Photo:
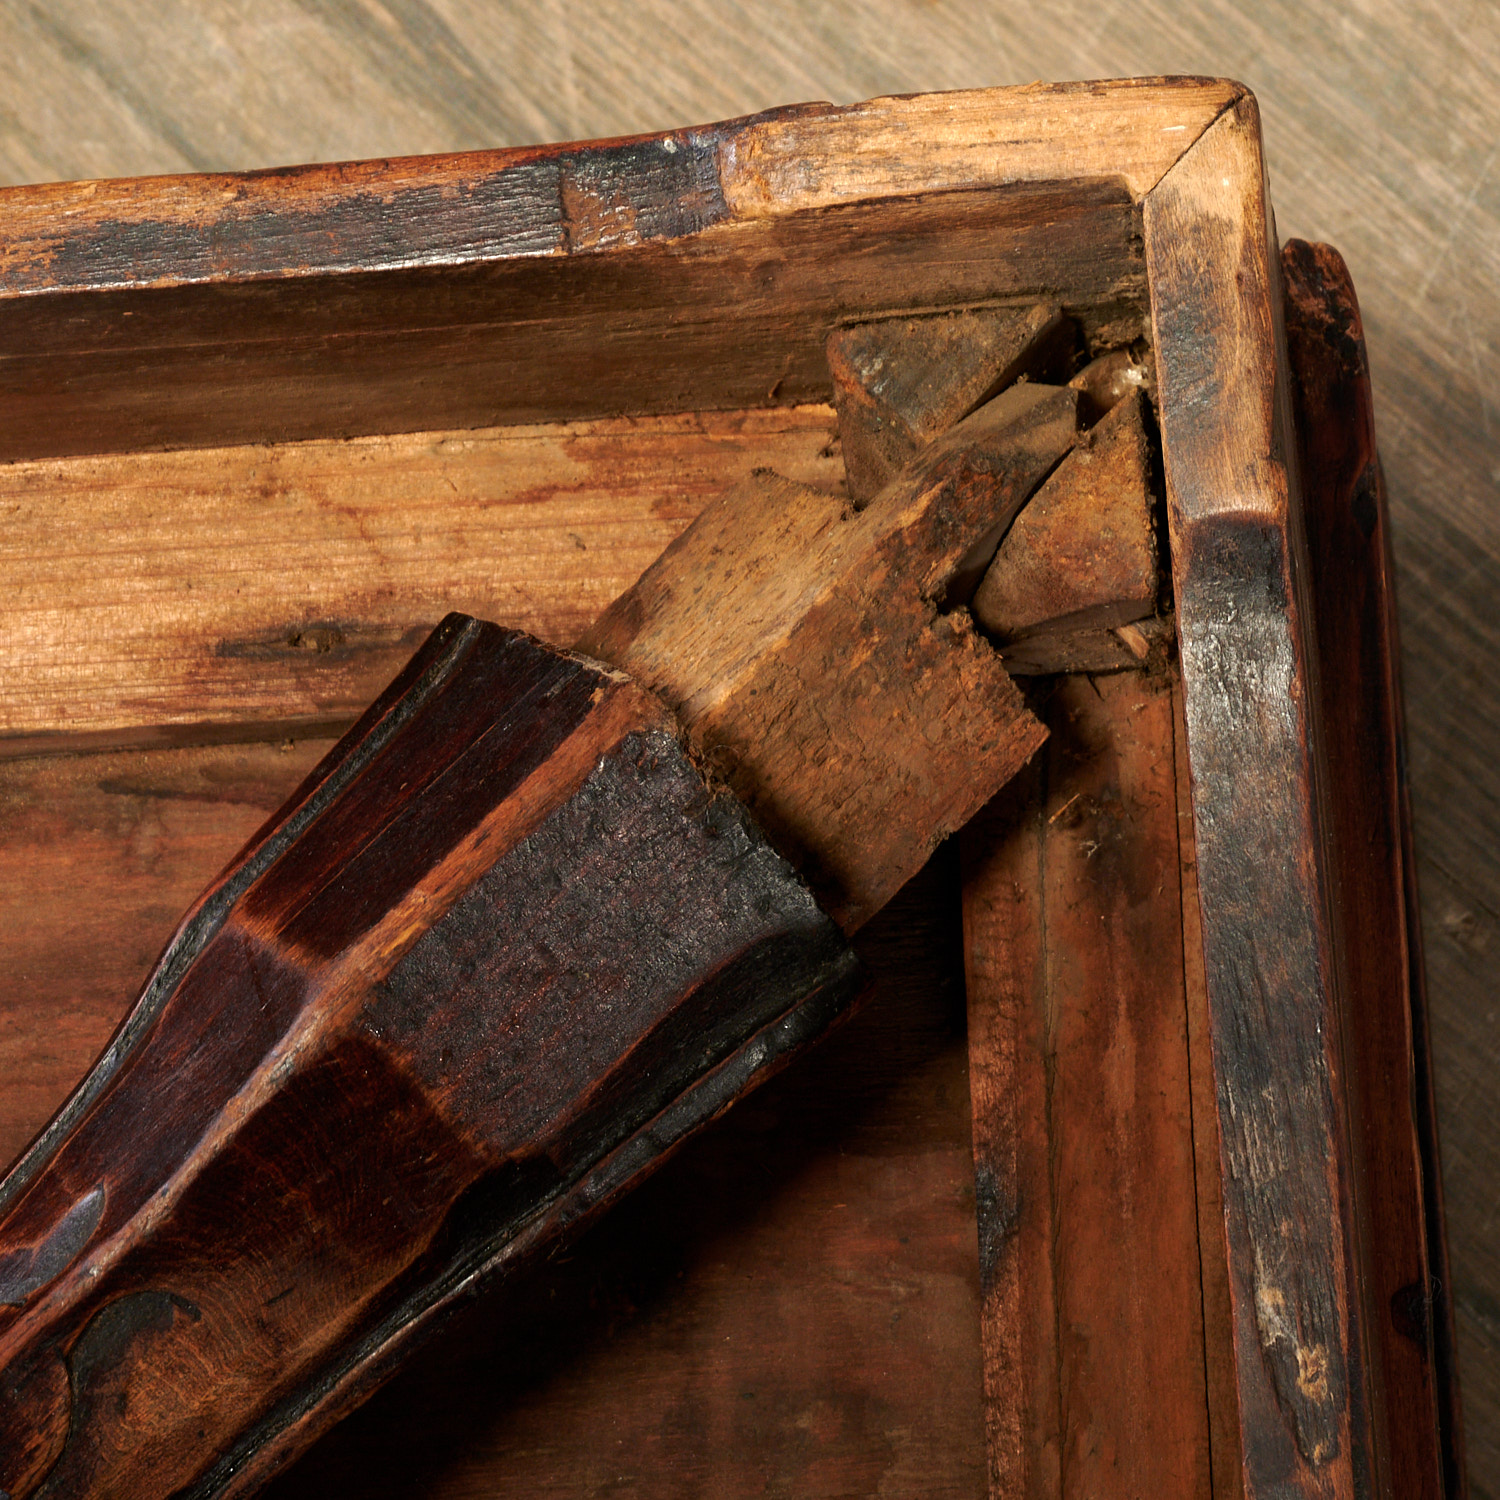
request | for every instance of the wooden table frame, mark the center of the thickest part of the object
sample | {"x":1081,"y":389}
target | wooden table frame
{"x":227,"y":311}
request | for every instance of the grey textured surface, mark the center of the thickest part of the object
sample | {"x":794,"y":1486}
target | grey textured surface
{"x":1383,"y":126}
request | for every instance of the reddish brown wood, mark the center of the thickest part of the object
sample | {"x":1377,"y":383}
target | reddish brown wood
{"x":1005,"y":968}
{"x":790,"y":1306}
{"x":404,"y":1042}
{"x":1082,"y":553}
{"x":698,"y":268}
{"x":1399,"y":1194}
{"x":804,"y":649}
{"x":501,"y":952}
{"x":704,"y":310}
{"x":1079,"y":1060}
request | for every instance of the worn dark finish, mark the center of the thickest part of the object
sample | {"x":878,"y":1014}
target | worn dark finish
{"x":1311,"y":1420}
{"x":791,"y":1300}
{"x":711,"y":264}
{"x":726,"y":316}
{"x":426,"y":940}
{"x":1400,"y":1190}
{"x":1080,"y":558}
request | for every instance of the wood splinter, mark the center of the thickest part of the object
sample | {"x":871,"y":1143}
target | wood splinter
{"x":805,"y":652}
{"x":1073,"y":587}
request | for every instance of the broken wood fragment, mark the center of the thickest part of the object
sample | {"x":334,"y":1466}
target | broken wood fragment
{"x":901,"y":382}
{"x":1079,"y":561}
{"x":805,"y":652}
{"x":1089,"y":1225}
{"x":1144,"y":644}
{"x":497,"y":956}
{"x":1108,"y":379}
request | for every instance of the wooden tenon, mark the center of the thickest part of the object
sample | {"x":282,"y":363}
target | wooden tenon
{"x":506,"y":947}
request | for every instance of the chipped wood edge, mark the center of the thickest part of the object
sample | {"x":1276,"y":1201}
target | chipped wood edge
{"x":1308,"y":1411}
{"x":194,"y":228}
{"x":1134,"y":128}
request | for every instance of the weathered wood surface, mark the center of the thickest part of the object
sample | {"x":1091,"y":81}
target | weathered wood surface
{"x":725,"y":319}
{"x":1084,"y":1114}
{"x":1312,"y":1423}
{"x":802,"y":646}
{"x":898,"y":383}
{"x":1081,"y":555}
{"x":841,"y":1195}
{"x":147,"y":595}
{"x":1381,"y":124}
{"x":1399,"y":1189}
{"x":701,"y":269}
{"x":1424,"y":284}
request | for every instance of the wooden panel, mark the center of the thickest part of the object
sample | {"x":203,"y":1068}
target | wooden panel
{"x":1010,"y":1024}
{"x":1219,"y":1368}
{"x":839,"y":1200}
{"x":1083,"y":1126}
{"x":1381,"y":123}
{"x":235,"y":590}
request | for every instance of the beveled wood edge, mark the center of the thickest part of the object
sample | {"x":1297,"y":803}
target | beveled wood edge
{"x":779,"y":162}
{"x":1310,"y":1412}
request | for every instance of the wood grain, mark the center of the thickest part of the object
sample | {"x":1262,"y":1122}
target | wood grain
{"x":201,"y":592}
{"x":841,"y":1187}
{"x":804,"y":648}
{"x":1400,"y":1198}
{"x":1082,"y":554}
{"x":343,"y":1085}
{"x":1311,"y":1420}
{"x":901,"y":382}
{"x":402,"y":296}
{"x":1381,"y":122}
{"x":1084,"y":1119}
